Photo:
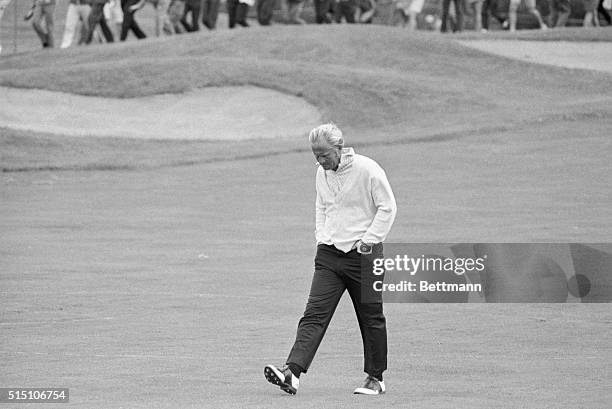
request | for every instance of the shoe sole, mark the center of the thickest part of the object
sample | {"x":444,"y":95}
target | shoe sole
{"x":272,"y":377}
{"x":363,"y":391}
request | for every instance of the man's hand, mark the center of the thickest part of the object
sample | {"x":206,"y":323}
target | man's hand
{"x":363,"y":247}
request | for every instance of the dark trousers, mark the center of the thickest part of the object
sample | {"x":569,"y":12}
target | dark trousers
{"x":336,"y":271}
{"x":265,"y":9}
{"x":559,"y":12}
{"x":345,"y":9}
{"x":191,"y":7}
{"x":129,"y":22}
{"x":601,"y":9}
{"x":210,"y":12}
{"x":490,"y":5}
{"x":96,"y":16}
{"x":237,"y":13}
{"x":321,"y":9}
{"x":458,"y":14}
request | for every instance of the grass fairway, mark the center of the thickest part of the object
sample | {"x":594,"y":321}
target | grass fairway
{"x":165,"y":274}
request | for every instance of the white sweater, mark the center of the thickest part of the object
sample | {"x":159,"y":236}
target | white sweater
{"x":353,"y":203}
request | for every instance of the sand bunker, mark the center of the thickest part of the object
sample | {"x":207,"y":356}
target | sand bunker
{"x":227,"y":113}
{"x":586,"y":55}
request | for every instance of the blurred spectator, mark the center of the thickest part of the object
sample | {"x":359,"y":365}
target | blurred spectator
{"x":192,"y":7}
{"x":175,"y":14}
{"x":531,"y":7}
{"x":162,"y":19}
{"x":114,"y":15}
{"x":78,"y":10}
{"x":294,"y":11}
{"x":237,"y":12}
{"x":590,"y":17}
{"x":458,"y":20}
{"x":491,"y":5}
{"x":605,"y":11}
{"x":322,"y":8}
{"x":406,"y":12}
{"x":346,"y":9}
{"x":130,"y":7}
{"x":43,"y":10}
{"x":210,"y":12}
{"x":365,"y":11}
{"x":3,"y":5}
{"x":96,"y":16}
{"x":559,"y":12}
{"x":475,"y":6}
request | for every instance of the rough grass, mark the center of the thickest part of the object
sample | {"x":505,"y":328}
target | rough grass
{"x":376,"y":82}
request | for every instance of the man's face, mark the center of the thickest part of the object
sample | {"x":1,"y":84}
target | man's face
{"x":328,"y":156}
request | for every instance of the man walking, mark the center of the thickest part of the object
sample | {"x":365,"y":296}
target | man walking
{"x":355,"y":209}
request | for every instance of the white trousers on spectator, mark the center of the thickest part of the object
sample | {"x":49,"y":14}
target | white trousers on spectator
{"x":75,"y":13}
{"x":113,"y":12}
{"x":162,"y":19}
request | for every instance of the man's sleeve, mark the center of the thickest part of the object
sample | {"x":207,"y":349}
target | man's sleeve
{"x":384,"y":200}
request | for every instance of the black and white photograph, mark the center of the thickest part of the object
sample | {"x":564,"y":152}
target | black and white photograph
{"x":332,"y":204}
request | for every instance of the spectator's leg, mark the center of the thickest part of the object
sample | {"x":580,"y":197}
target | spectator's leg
{"x":495,"y":13}
{"x":512,"y":13}
{"x":195,"y":16}
{"x":445,"y":7}
{"x":484,"y":14}
{"x":412,"y":23}
{"x":319,"y":11}
{"x":531,"y":6}
{"x":125,"y":24}
{"x":184,"y":22}
{"x":414,"y":10}
{"x":106,"y":31}
{"x":326,"y":6}
{"x":136,"y":28}
{"x":231,"y":12}
{"x":478,"y":15}
{"x":84,"y":11}
{"x":36,"y":20}
{"x":337,"y":12}
{"x":72,"y":18}
{"x":166,"y":26}
{"x":241,"y":14}
{"x":92,"y":21}
{"x":458,"y":16}
{"x":177,"y":9}
{"x":397,"y":17}
{"x":213,"y":13}
{"x":601,"y":9}
{"x":263,"y":17}
{"x":348,"y":11}
{"x":49,"y":10}
{"x":563,"y":11}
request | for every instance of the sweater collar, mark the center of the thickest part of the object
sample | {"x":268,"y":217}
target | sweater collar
{"x":348,"y":154}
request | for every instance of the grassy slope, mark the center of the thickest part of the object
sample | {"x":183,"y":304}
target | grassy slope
{"x":377,"y":82}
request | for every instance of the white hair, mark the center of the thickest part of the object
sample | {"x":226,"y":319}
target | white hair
{"x":330,"y":132}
